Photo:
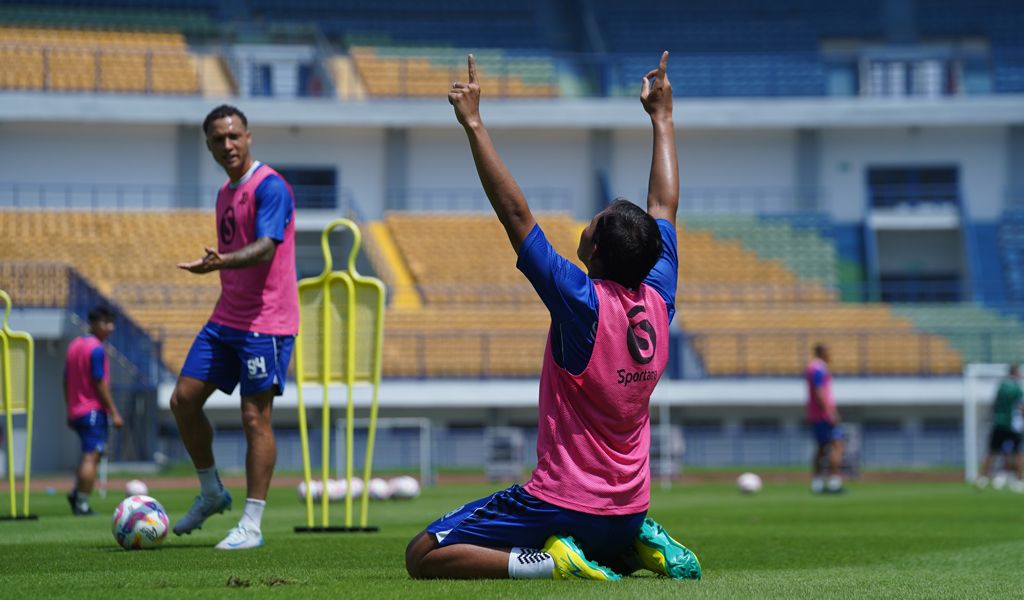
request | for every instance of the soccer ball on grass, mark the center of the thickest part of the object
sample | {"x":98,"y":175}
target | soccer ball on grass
{"x":749,"y":483}
{"x":140,"y":522}
{"x":135,"y":487}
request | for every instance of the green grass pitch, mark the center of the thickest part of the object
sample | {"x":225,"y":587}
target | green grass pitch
{"x":907,"y":540}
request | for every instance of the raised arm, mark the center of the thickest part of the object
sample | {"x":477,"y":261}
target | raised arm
{"x":501,"y":188}
{"x":663,"y":186}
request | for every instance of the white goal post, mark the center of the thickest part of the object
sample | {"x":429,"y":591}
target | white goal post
{"x":981,"y":380}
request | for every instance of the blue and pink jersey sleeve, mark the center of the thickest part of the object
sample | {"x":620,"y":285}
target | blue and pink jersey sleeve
{"x":570,"y":297}
{"x":273,"y":208}
{"x":97,"y":363}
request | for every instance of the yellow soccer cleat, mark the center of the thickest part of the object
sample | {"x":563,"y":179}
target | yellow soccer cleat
{"x":660,"y":553}
{"x":570,"y":563}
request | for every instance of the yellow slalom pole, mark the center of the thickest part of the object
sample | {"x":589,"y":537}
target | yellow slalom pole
{"x":303,"y":429}
{"x":350,"y":382}
{"x":325,"y":381}
{"x":8,"y":410}
{"x":5,"y":351}
{"x":372,"y":432}
{"x":30,"y":384}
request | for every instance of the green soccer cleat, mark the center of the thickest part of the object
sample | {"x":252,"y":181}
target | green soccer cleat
{"x":660,"y":553}
{"x":570,"y":563}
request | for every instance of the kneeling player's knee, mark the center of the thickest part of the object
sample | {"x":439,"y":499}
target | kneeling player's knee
{"x":414,"y":555}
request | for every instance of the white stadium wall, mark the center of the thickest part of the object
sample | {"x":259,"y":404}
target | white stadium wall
{"x":537,"y":158}
{"x":708,"y":159}
{"x":37,"y":152}
{"x":978,"y":151}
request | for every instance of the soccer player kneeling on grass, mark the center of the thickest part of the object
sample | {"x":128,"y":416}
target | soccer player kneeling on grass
{"x":583,"y":514}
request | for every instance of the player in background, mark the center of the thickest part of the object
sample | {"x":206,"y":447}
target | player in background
{"x":1005,"y":438}
{"x":606,"y":350}
{"x":89,"y":403}
{"x":823,"y":418}
{"x":250,"y":335}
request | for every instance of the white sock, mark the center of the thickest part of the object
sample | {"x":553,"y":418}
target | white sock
{"x":530,"y":563}
{"x":253,"y":514}
{"x":835,"y":482}
{"x":209,"y":481}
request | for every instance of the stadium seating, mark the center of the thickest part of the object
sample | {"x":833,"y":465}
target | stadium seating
{"x":74,"y":60}
{"x":129,"y":257}
{"x":481,"y":268}
{"x":427,"y":72}
{"x":1011,"y":245}
{"x":745,"y":313}
{"x":191,"y":19}
{"x":980,"y":334}
{"x":496,"y":24}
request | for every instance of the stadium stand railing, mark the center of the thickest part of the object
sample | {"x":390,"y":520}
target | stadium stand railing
{"x":150,"y":197}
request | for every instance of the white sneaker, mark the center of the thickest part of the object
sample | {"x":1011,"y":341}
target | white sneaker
{"x":202,"y":508}
{"x":981,"y":482}
{"x":240,"y":538}
{"x":1017,"y":486}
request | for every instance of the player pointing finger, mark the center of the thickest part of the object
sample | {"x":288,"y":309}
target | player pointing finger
{"x":465,"y":97}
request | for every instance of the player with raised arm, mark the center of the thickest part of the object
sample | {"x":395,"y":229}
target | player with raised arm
{"x":250,"y":335}
{"x":583,"y":512}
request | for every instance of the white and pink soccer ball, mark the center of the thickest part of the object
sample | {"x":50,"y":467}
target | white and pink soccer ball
{"x":315,"y":485}
{"x":135,"y":487}
{"x":378,"y":489}
{"x":139,"y":523}
{"x":404,"y":487}
{"x":749,"y":483}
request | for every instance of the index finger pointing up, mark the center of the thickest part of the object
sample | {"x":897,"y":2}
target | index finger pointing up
{"x":472,"y":68}
{"x":662,"y":64}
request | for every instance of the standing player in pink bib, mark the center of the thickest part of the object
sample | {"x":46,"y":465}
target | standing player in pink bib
{"x":583,"y":512}
{"x":823,"y":418}
{"x":89,"y":402}
{"x":250,"y":335}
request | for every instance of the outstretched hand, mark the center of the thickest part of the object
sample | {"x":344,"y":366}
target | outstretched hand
{"x":212,"y":261}
{"x":465,"y":97}
{"x":657,"y":96}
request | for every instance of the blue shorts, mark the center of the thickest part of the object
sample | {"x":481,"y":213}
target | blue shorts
{"x":512,"y":517}
{"x":225,"y":356}
{"x":92,"y":431}
{"x":826,"y":433}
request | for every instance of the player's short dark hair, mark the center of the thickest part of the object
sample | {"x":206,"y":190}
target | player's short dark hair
{"x":100,"y":314}
{"x":224,"y":110}
{"x":628,"y":243}
{"x":820,"y":349}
